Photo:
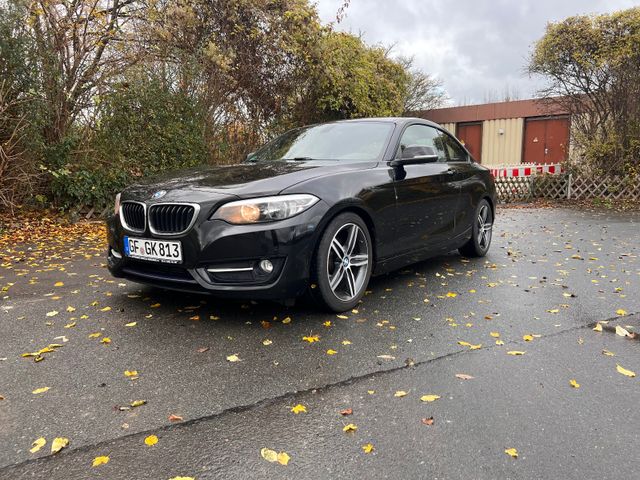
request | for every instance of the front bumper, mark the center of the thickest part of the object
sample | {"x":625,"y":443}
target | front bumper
{"x":218,"y":246}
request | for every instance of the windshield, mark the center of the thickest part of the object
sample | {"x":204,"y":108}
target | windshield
{"x":348,"y":141}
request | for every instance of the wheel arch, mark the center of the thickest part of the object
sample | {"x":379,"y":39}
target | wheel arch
{"x":362,"y":212}
{"x":491,"y":204}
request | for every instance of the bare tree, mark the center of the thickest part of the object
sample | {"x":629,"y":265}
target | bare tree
{"x":80,"y":45}
{"x":424,"y":92}
{"x":17,"y":177}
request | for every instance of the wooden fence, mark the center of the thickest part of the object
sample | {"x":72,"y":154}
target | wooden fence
{"x":566,"y":186}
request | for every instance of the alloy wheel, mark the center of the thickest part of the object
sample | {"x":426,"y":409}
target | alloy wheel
{"x":484,"y":227}
{"x":348,"y":262}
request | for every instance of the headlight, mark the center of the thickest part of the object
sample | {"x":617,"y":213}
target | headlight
{"x":267,"y":209}
{"x":116,"y":206}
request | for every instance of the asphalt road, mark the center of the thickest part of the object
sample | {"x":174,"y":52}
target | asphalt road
{"x":550,"y":274}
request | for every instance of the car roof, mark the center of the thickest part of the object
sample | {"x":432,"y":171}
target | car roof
{"x":396,"y":120}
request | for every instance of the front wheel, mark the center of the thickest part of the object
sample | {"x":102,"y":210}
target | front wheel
{"x":343,"y":262}
{"x":480,"y":241}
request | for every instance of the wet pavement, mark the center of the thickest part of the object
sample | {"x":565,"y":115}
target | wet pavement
{"x":550,"y":275}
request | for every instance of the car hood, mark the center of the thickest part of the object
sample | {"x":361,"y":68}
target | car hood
{"x":242,"y":180}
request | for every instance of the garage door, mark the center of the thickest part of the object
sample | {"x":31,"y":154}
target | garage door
{"x":470,"y":134}
{"x":546,"y":140}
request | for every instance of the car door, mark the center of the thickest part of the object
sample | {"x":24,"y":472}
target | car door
{"x":426,"y":195}
{"x":465,"y":178}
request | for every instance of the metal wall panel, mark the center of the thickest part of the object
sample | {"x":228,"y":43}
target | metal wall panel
{"x":449,"y":127}
{"x":502,"y":141}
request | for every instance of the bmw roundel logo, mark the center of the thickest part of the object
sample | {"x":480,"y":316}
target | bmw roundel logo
{"x":158,"y":194}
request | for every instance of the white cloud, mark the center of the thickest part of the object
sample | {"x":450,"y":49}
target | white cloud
{"x":477,"y":47}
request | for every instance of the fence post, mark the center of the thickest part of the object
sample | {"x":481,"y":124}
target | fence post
{"x":569,"y":181}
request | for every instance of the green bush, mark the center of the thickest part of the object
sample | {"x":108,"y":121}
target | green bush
{"x":144,"y":128}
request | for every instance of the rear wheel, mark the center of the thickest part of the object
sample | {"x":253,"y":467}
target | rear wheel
{"x":343,"y":263}
{"x":480,"y":241}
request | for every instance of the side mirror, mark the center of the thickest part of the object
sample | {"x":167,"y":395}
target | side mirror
{"x":415,"y":155}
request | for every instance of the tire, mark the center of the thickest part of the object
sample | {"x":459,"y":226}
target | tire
{"x":482,"y":230}
{"x":342,"y":263}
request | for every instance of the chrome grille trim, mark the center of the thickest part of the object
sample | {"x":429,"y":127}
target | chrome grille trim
{"x":171,"y":218}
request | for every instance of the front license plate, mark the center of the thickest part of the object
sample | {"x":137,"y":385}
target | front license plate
{"x":153,"y":250}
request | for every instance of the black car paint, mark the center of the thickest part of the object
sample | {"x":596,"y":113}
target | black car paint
{"x":413,"y":212}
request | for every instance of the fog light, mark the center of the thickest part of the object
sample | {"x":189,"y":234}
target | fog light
{"x":266,"y":266}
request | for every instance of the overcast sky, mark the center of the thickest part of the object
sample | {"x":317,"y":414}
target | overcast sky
{"x":477,"y":47}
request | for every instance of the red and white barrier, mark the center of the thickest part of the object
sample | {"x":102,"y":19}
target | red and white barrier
{"x":526,"y":170}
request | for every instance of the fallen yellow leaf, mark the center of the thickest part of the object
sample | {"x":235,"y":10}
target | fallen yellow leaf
{"x":331,"y":352}
{"x":53,"y":313}
{"x":349,"y":428}
{"x":527,"y":338}
{"x":574,"y":384}
{"x":151,"y":440}
{"x":105,"y":309}
{"x":499,"y":342}
{"x":40,"y":390}
{"x":512,"y":452}
{"x":269,"y":455}
{"x":400,"y":393}
{"x":368,"y":448}
{"x":58,"y":444}
{"x":131,"y":324}
{"x":266,"y":342}
{"x":452,"y":295}
{"x":100,"y":461}
{"x":58,"y":284}
{"x":38,"y":444}
{"x":598,"y":327}
{"x":283,"y":458}
{"x":623,"y":332}
{"x":71,"y":309}
{"x":105,"y":340}
{"x":429,"y":398}
{"x":233,"y":358}
{"x":138,"y":403}
{"x":621,"y":312}
{"x":311,"y":338}
{"x":495,"y":334}
{"x":299,"y":409}
{"x":515,"y":352}
{"x":130,"y":373}
{"x":608,"y":353}
{"x":624,"y":371}
{"x":95,"y":335}
{"x":471,"y":346}
{"x":182,"y":478}
{"x":155,"y":305}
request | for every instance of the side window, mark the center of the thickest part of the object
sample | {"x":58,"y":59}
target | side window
{"x":429,"y":139}
{"x":455,"y":153}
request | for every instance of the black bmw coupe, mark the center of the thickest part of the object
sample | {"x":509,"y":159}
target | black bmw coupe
{"x":319,"y":209}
